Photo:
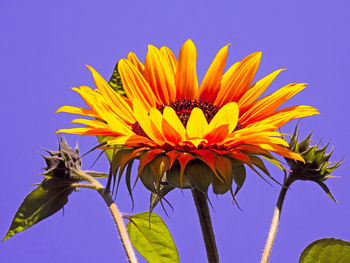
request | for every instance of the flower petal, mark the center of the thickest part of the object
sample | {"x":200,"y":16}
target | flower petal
{"x":115,"y":101}
{"x":76,"y":110}
{"x":159,"y":75}
{"x":211,"y":83}
{"x":173,"y":120}
{"x":143,"y":119}
{"x":135,"y":85}
{"x":282,"y":151}
{"x":264,"y":107}
{"x":136,"y":62}
{"x":170,"y":57}
{"x":256,"y":90}
{"x":88,"y":131}
{"x":156,"y":123}
{"x":130,"y":140}
{"x":217,"y":134}
{"x":281,"y":117}
{"x":186,"y":75}
{"x":228,"y":114}
{"x":236,"y":84}
{"x":197,"y":124}
{"x":170,"y":133}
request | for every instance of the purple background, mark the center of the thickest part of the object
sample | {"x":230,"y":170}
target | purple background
{"x":43,"y":49}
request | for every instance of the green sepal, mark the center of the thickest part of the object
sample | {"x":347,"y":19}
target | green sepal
{"x":115,"y":166}
{"x":199,"y":174}
{"x":146,"y":177}
{"x":128,"y":180}
{"x":239,"y":174}
{"x":326,"y":250}
{"x":158,"y":196}
{"x":273,"y":161}
{"x":326,"y":189}
{"x":304,"y":144}
{"x":173,"y":177}
{"x":152,"y":239}
{"x":158,"y":167}
{"x":109,"y":152}
{"x":96,"y":174}
{"x":45,"y":200}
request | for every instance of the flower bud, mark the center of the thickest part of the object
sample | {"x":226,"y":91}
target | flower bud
{"x":63,"y":163}
{"x":316,"y":168}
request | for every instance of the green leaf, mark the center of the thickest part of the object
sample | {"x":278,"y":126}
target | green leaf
{"x":152,"y":239}
{"x":45,"y":200}
{"x":115,"y":81}
{"x":326,"y":250}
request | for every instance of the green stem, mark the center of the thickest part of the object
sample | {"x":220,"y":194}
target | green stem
{"x":275,"y":221}
{"x":117,"y":216}
{"x":201,"y":202}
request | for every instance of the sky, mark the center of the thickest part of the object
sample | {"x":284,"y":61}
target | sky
{"x":44,"y":47}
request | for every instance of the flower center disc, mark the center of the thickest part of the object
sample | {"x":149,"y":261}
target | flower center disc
{"x":183,"y":109}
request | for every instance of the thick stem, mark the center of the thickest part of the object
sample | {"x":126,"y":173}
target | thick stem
{"x":275,"y":221}
{"x":200,"y":200}
{"x":117,"y":216}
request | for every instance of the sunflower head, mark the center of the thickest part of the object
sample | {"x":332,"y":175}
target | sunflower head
{"x":183,"y":133}
{"x":316,"y":167}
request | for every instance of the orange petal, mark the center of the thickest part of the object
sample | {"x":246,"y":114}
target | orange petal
{"x":115,"y":101}
{"x":264,"y":107}
{"x":228,"y":114}
{"x":136,"y":62}
{"x":183,"y":160}
{"x":170,"y":133}
{"x":135,"y":85}
{"x":197,"y":124}
{"x":93,"y":99}
{"x":160,"y":76}
{"x":170,"y":57}
{"x":282,"y":151}
{"x":75,"y":110}
{"x":186,"y":75}
{"x":230,"y":71}
{"x":217,"y":134}
{"x":257,"y":89}
{"x":211,"y":83}
{"x":117,"y":124}
{"x":281,"y":117}
{"x":88,"y":131}
{"x":236,"y":84}
{"x":143,"y":119}
{"x":92,"y":123}
{"x":173,"y":120}
{"x":130,"y":140}
{"x":156,"y":123}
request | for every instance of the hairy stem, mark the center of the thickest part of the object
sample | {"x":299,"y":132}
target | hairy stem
{"x":117,"y":216}
{"x":200,"y":200}
{"x":275,"y":221}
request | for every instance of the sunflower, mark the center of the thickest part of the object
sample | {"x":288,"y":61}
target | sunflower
{"x":193,"y":136}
